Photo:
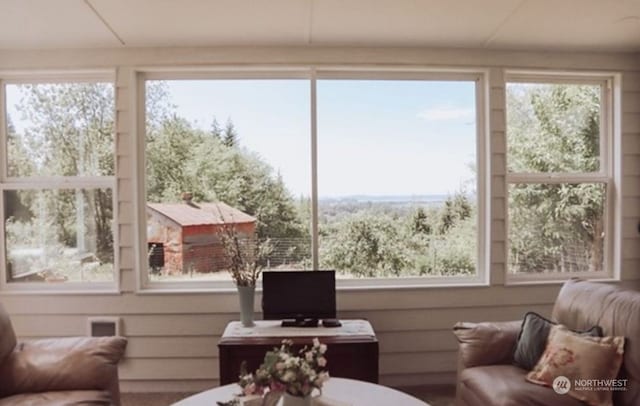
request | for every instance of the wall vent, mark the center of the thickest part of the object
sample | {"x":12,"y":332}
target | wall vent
{"x":103,"y":326}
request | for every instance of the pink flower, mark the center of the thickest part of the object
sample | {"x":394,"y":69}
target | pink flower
{"x":250,"y":389}
{"x":285,"y":370}
{"x":323,"y":377}
{"x":278,"y":386}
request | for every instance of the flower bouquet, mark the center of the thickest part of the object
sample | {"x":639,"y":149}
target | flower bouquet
{"x":285,"y":371}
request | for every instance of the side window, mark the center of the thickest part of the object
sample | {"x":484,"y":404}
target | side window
{"x":560,"y":181}
{"x":57,"y":182}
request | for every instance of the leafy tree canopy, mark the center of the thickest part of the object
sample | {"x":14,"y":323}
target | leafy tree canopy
{"x":555,"y":129}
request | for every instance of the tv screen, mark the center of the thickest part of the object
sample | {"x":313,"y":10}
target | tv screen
{"x":298,"y":295}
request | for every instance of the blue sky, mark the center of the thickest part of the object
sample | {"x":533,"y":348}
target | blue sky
{"x":374,"y":137}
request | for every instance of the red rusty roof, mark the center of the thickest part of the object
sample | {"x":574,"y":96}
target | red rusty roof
{"x":194,"y":214}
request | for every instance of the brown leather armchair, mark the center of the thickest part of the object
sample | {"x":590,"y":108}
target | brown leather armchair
{"x":65,"y":371}
{"x":487,"y":376}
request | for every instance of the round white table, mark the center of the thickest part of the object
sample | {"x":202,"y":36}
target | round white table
{"x":346,"y":391}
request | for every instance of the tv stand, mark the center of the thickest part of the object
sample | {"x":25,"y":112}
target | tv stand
{"x":352,"y":347}
{"x":299,"y":323}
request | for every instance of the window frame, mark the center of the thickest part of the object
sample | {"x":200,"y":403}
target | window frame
{"x":608,"y":173}
{"x":312,"y":74}
{"x":57,"y":182}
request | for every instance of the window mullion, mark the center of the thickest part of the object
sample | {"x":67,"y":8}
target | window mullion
{"x":314,"y":173}
{"x":3,"y":132}
{"x":556,"y":178}
{"x":71,"y":182}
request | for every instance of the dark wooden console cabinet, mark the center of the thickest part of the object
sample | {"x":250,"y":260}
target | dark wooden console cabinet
{"x":349,"y":356}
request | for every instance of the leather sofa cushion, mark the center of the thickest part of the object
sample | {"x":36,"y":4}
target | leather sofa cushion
{"x":7,"y":336}
{"x":486,"y":343}
{"x":60,"y":398}
{"x":582,"y":304}
{"x":505,"y":385}
{"x":74,"y":363}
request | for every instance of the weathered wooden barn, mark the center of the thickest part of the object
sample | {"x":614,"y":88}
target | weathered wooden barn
{"x":186,"y":237}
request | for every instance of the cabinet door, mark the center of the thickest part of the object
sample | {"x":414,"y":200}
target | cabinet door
{"x":355,"y":360}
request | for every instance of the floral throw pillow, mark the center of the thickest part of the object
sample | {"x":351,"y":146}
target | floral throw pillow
{"x":588,"y":365}
{"x":532,"y":339}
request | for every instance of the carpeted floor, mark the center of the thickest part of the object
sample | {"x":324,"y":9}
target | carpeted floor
{"x":435,"y":396}
{"x":152,"y":399}
{"x":442,"y":395}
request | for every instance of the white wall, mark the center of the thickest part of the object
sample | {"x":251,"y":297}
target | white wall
{"x":173,"y":337}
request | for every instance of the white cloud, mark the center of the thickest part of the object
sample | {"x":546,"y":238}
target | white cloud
{"x":445,"y":113}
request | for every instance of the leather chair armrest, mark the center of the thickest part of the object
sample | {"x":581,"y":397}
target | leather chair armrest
{"x":78,"y":363}
{"x":486,"y":343}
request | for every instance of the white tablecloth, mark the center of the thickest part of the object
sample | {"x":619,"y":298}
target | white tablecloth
{"x":337,"y":391}
{"x":272,"y":328}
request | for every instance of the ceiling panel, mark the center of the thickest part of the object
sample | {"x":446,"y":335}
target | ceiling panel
{"x":573,"y":24}
{"x":51,"y":24}
{"x":408,"y":22}
{"x":207,"y":22}
{"x":611,"y":25}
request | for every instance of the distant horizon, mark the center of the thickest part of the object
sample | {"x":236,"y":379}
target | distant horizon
{"x":394,"y":197}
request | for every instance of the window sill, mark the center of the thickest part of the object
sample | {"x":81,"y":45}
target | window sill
{"x":557,"y":280}
{"x":342,"y":285}
{"x":176,"y":290}
{"x":111,"y":291}
{"x":409,"y":283}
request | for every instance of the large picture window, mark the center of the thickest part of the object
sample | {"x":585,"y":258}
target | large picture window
{"x":57,"y":182}
{"x":374,"y":177}
{"x":559,"y":144}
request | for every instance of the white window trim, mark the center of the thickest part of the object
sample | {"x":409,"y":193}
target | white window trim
{"x":609,"y":173}
{"x":57,"y":182}
{"x":140,"y":75}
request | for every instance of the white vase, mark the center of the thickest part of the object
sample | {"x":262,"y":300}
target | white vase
{"x":246,"y":295}
{"x":290,"y":400}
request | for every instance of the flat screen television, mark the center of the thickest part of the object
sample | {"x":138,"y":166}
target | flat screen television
{"x":298,"y":295}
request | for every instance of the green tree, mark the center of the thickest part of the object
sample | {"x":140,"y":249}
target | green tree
{"x":555,"y":128}
{"x":230,"y":136}
{"x":456,"y":208}
{"x":365,"y":245}
{"x":70,"y":132}
{"x":216,"y":130}
{"x":19,"y":164}
{"x":420,"y":222}
{"x":157,"y":106}
{"x":182,"y":158}
{"x":169,"y":156}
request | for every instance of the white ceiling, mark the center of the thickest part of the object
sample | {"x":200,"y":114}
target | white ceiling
{"x":582,"y":25}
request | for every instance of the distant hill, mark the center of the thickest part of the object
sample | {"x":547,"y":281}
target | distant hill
{"x":384,"y":199}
